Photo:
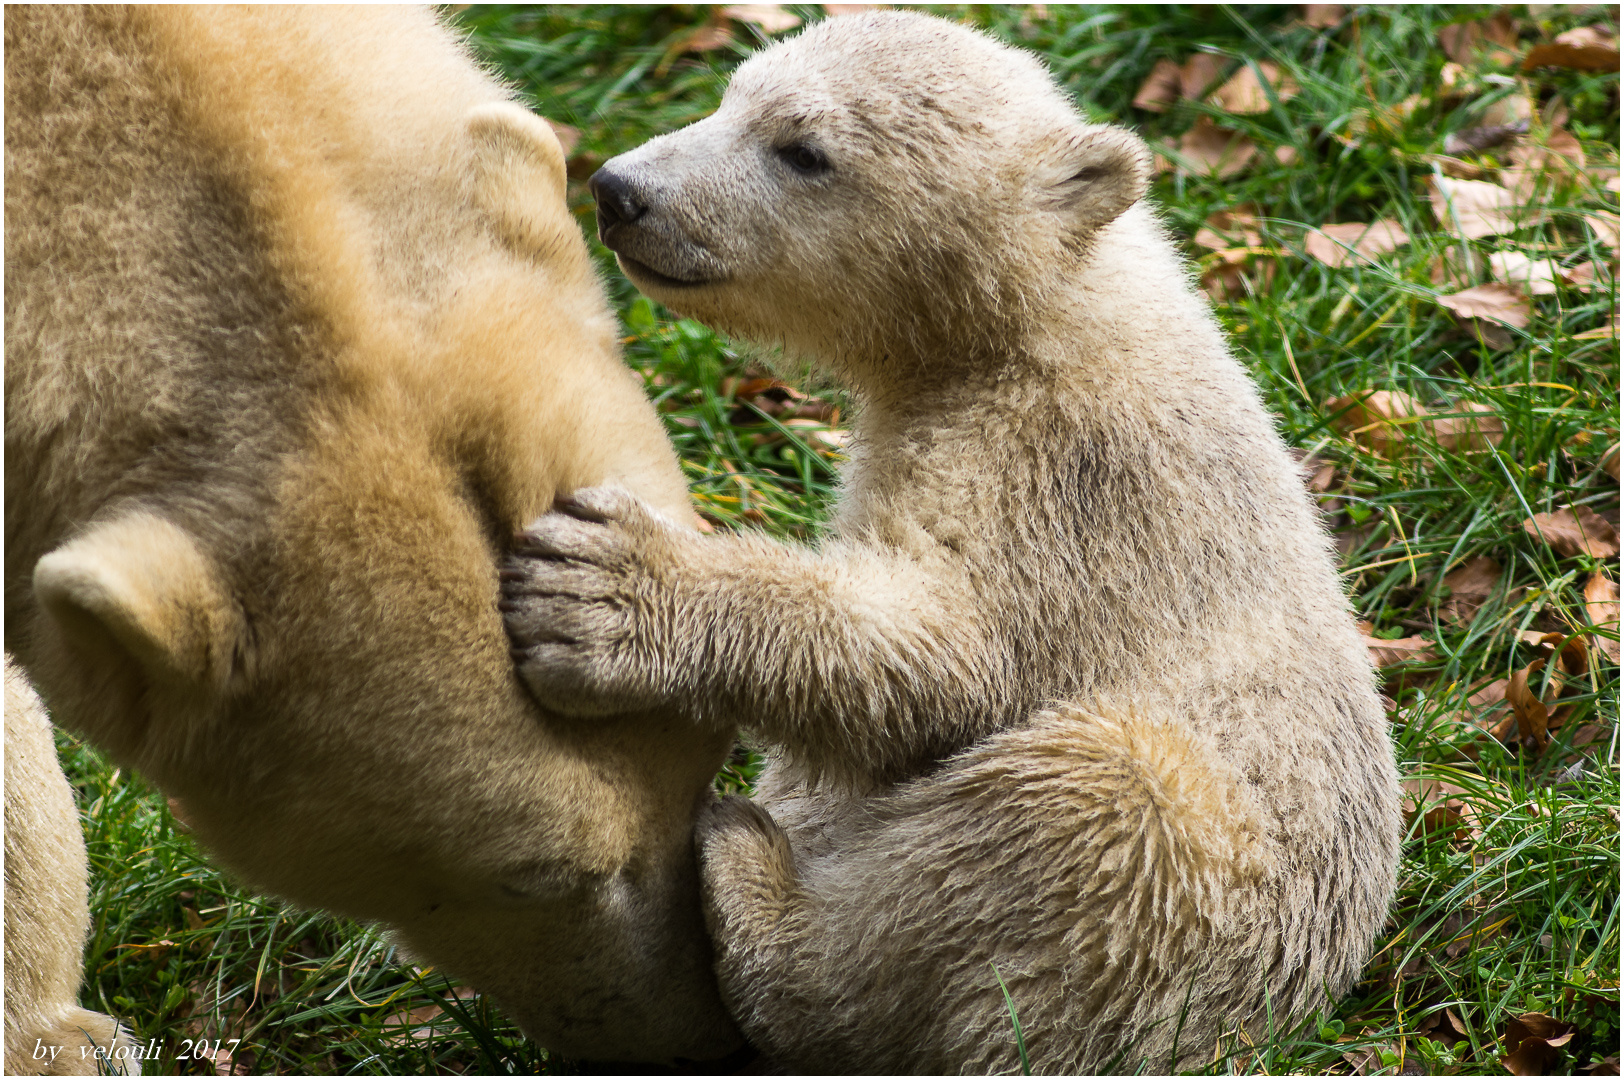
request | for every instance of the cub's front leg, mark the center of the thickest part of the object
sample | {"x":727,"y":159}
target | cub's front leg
{"x":592,"y":601}
{"x":864,"y":663}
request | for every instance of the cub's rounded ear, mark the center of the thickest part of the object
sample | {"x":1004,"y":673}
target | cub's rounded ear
{"x":140,"y":588}
{"x":1096,"y":174}
{"x":518,"y":174}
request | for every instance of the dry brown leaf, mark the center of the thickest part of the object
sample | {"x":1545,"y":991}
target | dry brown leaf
{"x":1574,"y":530}
{"x":1512,"y":109}
{"x":1605,"y":331}
{"x":1439,"y":806}
{"x":1602,"y":608}
{"x":1226,"y":276}
{"x":1536,"y":277}
{"x":1198,"y":73}
{"x":1459,"y":265}
{"x":1245,"y":94}
{"x":1480,"y":308}
{"x":1559,"y":160}
{"x":1587,"y":276}
{"x":1322,"y":16}
{"x":1370,"y":418}
{"x":1354,"y":241}
{"x":1368,"y":1061}
{"x":1533,"y":719}
{"x":1470,"y":586}
{"x":715,"y":34}
{"x":1609,"y":461}
{"x":772,"y":18}
{"x":1286,"y":155}
{"x":1494,"y":714}
{"x":1493,"y":38}
{"x":835,"y":10}
{"x":1378,"y":419}
{"x":1605,"y":226}
{"x":1533,"y":1043}
{"x":1161,"y":88}
{"x":1211,"y":149}
{"x":1462,"y":433}
{"x":1232,"y":228}
{"x":1474,"y":209}
{"x":1581,"y":49}
{"x":1607,"y":1066}
{"x":1405,"y":650}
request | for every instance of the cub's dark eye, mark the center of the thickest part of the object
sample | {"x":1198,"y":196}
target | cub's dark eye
{"x":804,"y":158}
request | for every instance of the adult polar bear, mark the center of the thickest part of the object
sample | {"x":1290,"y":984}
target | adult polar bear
{"x":298,"y":330}
{"x":1072,"y":694}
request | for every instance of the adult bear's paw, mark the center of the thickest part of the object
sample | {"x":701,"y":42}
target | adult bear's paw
{"x":581,"y":599}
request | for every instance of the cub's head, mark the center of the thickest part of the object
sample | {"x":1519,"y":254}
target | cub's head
{"x":878,"y":184}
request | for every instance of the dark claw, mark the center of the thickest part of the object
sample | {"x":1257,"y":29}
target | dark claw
{"x":566,"y":504}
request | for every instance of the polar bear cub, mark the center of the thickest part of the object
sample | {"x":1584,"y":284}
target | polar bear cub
{"x":1070,"y":696}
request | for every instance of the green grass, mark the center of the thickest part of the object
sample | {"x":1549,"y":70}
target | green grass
{"x":1517,"y":912}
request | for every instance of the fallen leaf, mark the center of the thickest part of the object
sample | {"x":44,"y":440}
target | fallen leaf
{"x":1413,"y":649}
{"x":1209,"y":149}
{"x":1494,"y":714}
{"x":1439,"y":806}
{"x":1605,"y":226}
{"x":1197,"y":74}
{"x":1245,"y":94}
{"x":1470,"y":586}
{"x":1607,"y":1066}
{"x":1534,"y":1042}
{"x":1323,"y":16}
{"x":836,"y":10}
{"x":1493,"y":37}
{"x":1356,"y":242}
{"x":1536,"y":277}
{"x":1609,"y":461}
{"x":1479,"y":430}
{"x":1480,"y":308}
{"x":1510,"y":109}
{"x":1377,"y":419}
{"x":1286,"y":155}
{"x":1225,"y":275}
{"x":1607,"y":330}
{"x":1368,"y":1061}
{"x":1574,"y":530}
{"x":1236,"y":227}
{"x":1533,"y":719}
{"x":1585,"y":48}
{"x":1160,"y":89}
{"x":771,"y":18}
{"x":1474,"y":209}
{"x":1587,"y":276}
{"x":1602,"y":609}
{"x":1559,"y":159}
{"x":1369,"y":418}
{"x":1459,"y":265}
{"x":715,"y":34}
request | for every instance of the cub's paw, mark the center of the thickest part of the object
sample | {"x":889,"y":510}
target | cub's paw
{"x":580,"y":596}
{"x":747,"y":870}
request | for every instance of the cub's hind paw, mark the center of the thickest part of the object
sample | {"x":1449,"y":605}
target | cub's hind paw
{"x":747,"y":869}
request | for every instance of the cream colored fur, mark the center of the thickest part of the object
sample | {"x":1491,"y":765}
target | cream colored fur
{"x":1071,"y":690}
{"x":47,"y":1033}
{"x":298,"y":330}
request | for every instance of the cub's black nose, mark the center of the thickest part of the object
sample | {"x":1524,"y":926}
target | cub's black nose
{"x":618,"y":203}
